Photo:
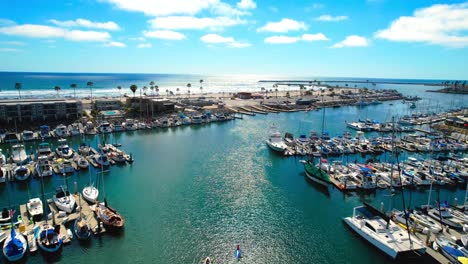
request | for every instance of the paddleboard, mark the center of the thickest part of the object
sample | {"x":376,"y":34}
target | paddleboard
{"x":238,"y":254}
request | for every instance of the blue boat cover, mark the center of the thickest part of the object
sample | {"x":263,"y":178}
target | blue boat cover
{"x":453,"y":251}
{"x":364,"y":169}
{"x":15,"y":246}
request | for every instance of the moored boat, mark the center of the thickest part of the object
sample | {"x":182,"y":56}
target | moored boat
{"x":315,"y":173}
{"x":109,"y":216}
{"x":19,"y":154}
{"x":35,"y":209}
{"x":48,"y":238}
{"x":14,"y":246}
{"x":22,"y":173}
{"x":64,"y":200}
{"x":275,"y":141}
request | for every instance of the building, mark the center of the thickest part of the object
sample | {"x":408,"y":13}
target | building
{"x":244,"y":95}
{"x":149,"y":106}
{"x":107,"y":104}
{"x":39,"y":110}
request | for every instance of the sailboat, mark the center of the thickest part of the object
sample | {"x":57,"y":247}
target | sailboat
{"x":81,"y":226}
{"x":48,"y":238}
{"x":90,"y":193}
{"x":315,"y":172}
{"x":64,"y":200}
{"x":15,"y":246}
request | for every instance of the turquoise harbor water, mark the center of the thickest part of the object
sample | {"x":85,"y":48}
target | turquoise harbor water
{"x":198,"y":191}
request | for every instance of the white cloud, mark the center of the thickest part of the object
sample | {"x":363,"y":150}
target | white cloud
{"x":175,"y":7}
{"x":80,"y":22}
{"x":229,"y":41}
{"x":439,"y":24}
{"x":41,"y":31}
{"x":164,"y":34}
{"x":9,"y":50}
{"x":13,"y":43}
{"x":281,"y":40}
{"x":115,"y":44}
{"x":314,"y":37}
{"x":283,"y":26}
{"x":144,"y":45}
{"x":329,"y":18}
{"x":352,"y":41}
{"x":190,"y":22}
{"x":246,"y":4}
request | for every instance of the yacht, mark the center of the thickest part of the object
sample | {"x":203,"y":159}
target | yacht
{"x":14,"y":246}
{"x":105,"y":127}
{"x":61,"y":131}
{"x":196,"y":119}
{"x":387,"y":236}
{"x":117,"y":127}
{"x":44,"y":131}
{"x":10,"y":138}
{"x":84,"y":149}
{"x":74,"y":129}
{"x":43,"y":167}
{"x":35,"y":209}
{"x":90,"y":129}
{"x":19,"y":154}
{"x":64,"y":200}
{"x":44,"y":150}
{"x":63,"y":150}
{"x":275,"y":141}
{"x":130,"y":125}
{"x":22,"y":173}
{"x":28,"y":135}
{"x":49,"y":239}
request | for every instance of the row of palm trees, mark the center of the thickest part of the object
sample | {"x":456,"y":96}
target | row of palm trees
{"x":133,"y":88}
{"x":455,"y":84}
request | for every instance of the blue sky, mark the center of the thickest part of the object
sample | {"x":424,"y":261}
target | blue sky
{"x":349,"y":38}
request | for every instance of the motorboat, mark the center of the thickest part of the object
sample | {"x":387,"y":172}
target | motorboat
{"x":15,"y":246}
{"x":44,"y":132}
{"x":84,"y":149}
{"x":102,"y":160}
{"x":48,"y":238}
{"x":118,"y":157}
{"x":90,"y":193}
{"x":45,"y":150}
{"x":2,"y":158}
{"x":22,"y":173}
{"x":19,"y":154}
{"x":63,"y":150}
{"x":43,"y":167}
{"x":28,"y":135}
{"x":196,"y":119}
{"x":109,"y":217}
{"x":276,"y":142}
{"x":450,"y":249}
{"x":207,"y":260}
{"x":105,"y":127}
{"x":10,"y":138}
{"x":61,"y":131}
{"x":376,"y":227}
{"x":65,"y":166}
{"x":81,"y":162}
{"x":64,"y":200}
{"x":82,"y":229}
{"x":89,"y":128}
{"x":117,"y":127}
{"x":74,"y":129}
{"x":130,"y":125}
{"x":35,"y":209}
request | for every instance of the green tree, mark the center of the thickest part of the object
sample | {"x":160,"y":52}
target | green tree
{"x":157,"y":89}
{"x":133,"y":88}
{"x":18,"y":87}
{"x":201,"y":86}
{"x":145,"y":89}
{"x":73,"y":86}
{"x":177,"y":91}
{"x":120,"y":93}
{"x":90,"y":86}
{"x":57,"y":89}
{"x":188,"y":88}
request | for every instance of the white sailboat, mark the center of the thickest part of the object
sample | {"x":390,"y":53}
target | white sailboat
{"x":64,"y":200}
{"x":15,"y":246}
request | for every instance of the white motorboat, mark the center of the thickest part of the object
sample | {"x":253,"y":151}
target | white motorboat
{"x":275,"y":141}
{"x":63,"y":150}
{"x":118,"y":157}
{"x":64,"y":200}
{"x":15,"y":246}
{"x":90,"y":129}
{"x":22,"y":173}
{"x":84,"y":149}
{"x":117,"y":127}
{"x":82,"y":162}
{"x":48,"y":238}
{"x":378,"y":230}
{"x":45,"y":150}
{"x":102,"y":160}
{"x":19,"y":154}
{"x":196,"y":119}
{"x":43,"y":167}
{"x":105,"y":127}
{"x":44,"y":131}
{"x":65,"y":166}
{"x":130,"y":125}
{"x":74,"y":129}
{"x":61,"y":131}
{"x":90,"y":193}
{"x":27,"y":135}
{"x":35,"y":209}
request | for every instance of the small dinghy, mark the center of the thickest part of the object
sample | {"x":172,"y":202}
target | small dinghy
{"x":238,"y":252}
{"x":207,"y":261}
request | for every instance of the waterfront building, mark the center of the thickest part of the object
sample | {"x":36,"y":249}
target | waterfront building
{"x":107,"y":104}
{"x":150,"y":105}
{"x":39,"y":109}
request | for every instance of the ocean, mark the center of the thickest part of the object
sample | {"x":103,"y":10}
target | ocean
{"x":197,"y":191}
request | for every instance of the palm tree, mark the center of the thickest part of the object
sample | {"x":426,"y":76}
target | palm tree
{"x":152,"y":90}
{"x":90,"y":85}
{"x":177,"y":91}
{"x":201,"y":86}
{"x":188,"y":89}
{"x":57,"y":89}
{"x":145,"y":89}
{"x":157,"y":89}
{"x":167,"y":92}
{"x":276,"y":91}
{"x":151,"y":83}
{"x":73,"y":85}
{"x":120,"y":93}
{"x":133,"y":88}
{"x":18,"y":87}
{"x":301,"y":87}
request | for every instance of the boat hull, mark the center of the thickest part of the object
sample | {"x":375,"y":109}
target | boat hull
{"x":315,"y":174}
